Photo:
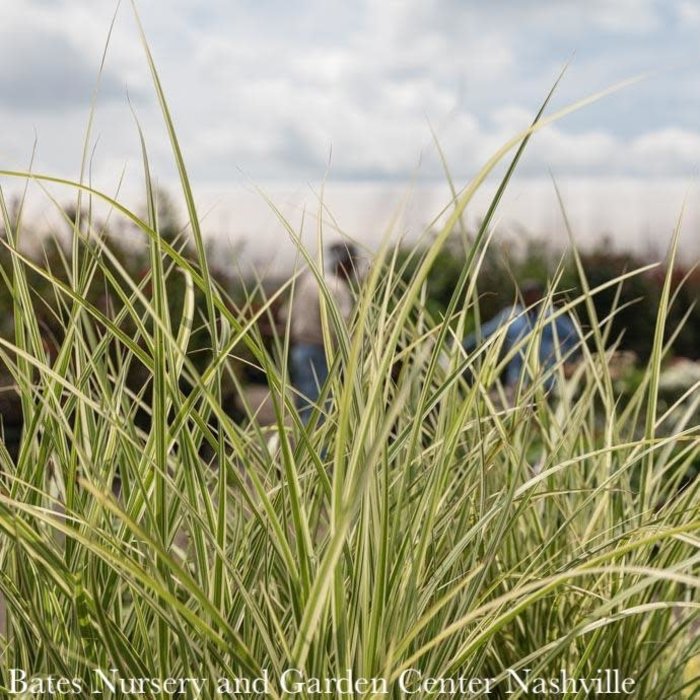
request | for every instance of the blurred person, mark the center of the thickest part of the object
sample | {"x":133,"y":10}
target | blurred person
{"x":559,"y":337}
{"x":308,"y":362}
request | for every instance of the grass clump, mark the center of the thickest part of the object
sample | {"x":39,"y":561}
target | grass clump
{"x":425,"y":523}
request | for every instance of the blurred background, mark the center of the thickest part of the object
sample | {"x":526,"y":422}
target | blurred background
{"x":352,"y":98}
{"x":352,"y":118}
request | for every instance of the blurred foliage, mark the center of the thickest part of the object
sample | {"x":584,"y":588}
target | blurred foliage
{"x":123,"y":268}
{"x":635,"y":301}
{"x":504,"y":267}
{"x":107,"y":283}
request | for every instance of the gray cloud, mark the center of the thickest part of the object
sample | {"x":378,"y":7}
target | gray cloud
{"x":45,"y":71}
{"x":270,"y":88}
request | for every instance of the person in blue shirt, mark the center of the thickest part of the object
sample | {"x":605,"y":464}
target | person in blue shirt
{"x":559,"y":337}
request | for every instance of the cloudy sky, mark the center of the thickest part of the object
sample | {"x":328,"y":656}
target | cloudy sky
{"x":282,"y":93}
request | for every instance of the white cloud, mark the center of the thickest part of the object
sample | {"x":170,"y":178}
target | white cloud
{"x":575,"y":152}
{"x":625,"y":16}
{"x":667,"y":151}
{"x":270,"y":90}
{"x":688,"y":12}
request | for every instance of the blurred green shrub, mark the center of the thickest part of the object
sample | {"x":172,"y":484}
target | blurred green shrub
{"x":635,"y":302}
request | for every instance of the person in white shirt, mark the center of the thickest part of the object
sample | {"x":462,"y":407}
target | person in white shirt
{"x":308,"y":361}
